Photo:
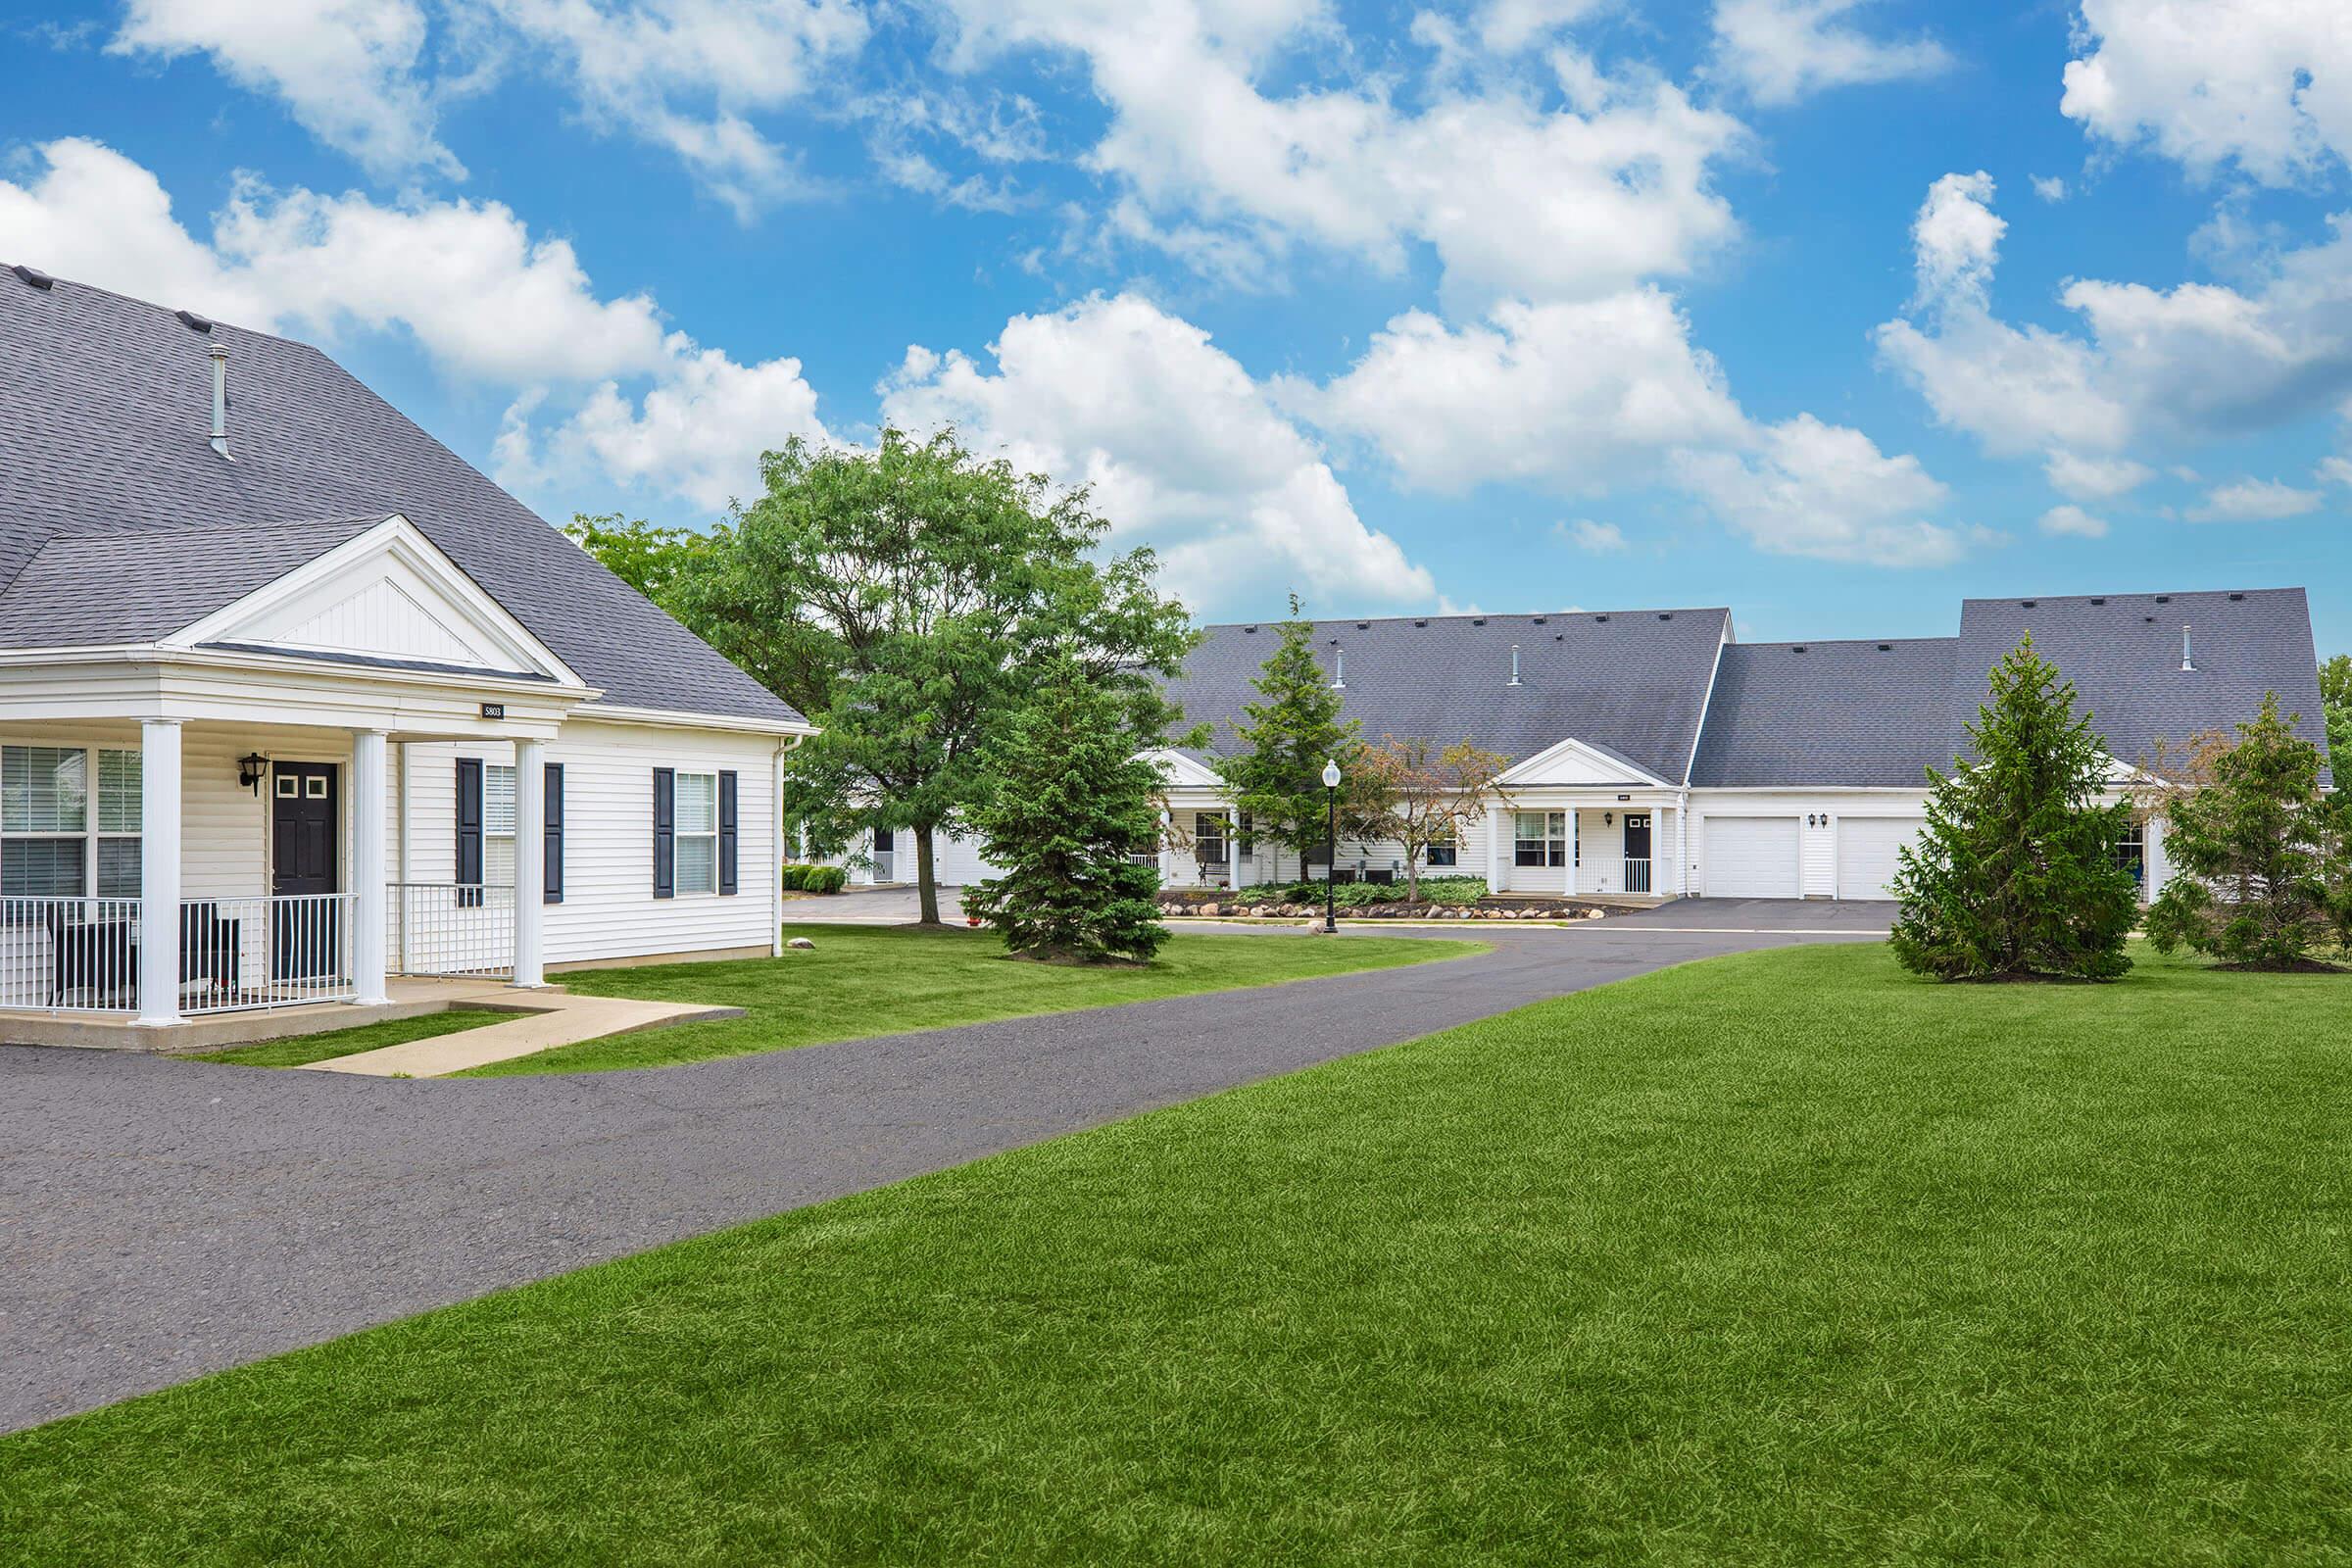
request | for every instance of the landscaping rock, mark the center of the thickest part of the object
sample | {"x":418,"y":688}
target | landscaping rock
{"x":1211,"y":911}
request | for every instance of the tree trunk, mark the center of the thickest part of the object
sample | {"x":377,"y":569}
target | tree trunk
{"x":926,"y":879}
{"x":1412,"y":873}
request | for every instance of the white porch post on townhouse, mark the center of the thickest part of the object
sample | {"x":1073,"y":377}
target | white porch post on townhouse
{"x":1681,"y":846}
{"x":371,"y":871}
{"x":531,"y":863}
{"x":776,"y":868}
{"x":159,"y":871}
{"x":1498,"y":821}
{"x":1232,"y":846}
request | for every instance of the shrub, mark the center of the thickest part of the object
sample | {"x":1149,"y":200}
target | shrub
{"x":796,"y":877}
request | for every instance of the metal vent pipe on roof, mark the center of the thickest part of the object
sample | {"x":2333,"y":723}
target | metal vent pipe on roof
{"x":220,"y":400}
{"x":1514,"y":663}
{"x":1339,"y":668}
{"x":2188,"y":665}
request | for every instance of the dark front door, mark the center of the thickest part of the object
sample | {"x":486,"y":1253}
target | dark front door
{"x":1637,"y":852}
{"x":306,"y":933}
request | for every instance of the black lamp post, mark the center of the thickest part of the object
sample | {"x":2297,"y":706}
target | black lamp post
{"x":1331,"y":845}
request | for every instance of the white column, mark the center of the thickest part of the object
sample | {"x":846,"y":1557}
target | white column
{"x":159,"y":871}
{"x":1681,"y":847}
{"x":531,"y":863}
{"x":1497,"y":822}
{"x":1232,"y":846}
{"x":775,"y":859}
{"x":370,"y":812}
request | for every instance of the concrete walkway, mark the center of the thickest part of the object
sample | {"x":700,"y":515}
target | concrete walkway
{"x":162,"y":1218}
{"x":556,"y":1018}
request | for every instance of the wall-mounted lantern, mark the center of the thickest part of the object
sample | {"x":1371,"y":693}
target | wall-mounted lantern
{"x":250,"y":769}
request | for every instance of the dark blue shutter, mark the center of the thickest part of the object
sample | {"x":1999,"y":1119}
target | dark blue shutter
{"x":470,"y":832}
{"x":554,"y":843}
{"x":726,"y":833}
{"x":666,"y":833}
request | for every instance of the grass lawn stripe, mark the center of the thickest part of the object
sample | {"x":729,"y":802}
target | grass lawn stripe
{"x":1778,"y":1258}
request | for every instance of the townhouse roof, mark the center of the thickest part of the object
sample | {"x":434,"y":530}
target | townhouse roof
{"x":1628,"y":682}
{"x":119,"y":520}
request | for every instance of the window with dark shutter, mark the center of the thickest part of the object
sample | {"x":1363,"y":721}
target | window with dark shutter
{"x":553,"y":847}
{"x":470,"y":832}
{"x":726,"y":833}
{"x":666,"y":833}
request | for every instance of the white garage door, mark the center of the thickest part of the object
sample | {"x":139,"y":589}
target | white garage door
{"x":1750,"y":857}
{"x":957,"y":862}
{"x":1866,"y":847}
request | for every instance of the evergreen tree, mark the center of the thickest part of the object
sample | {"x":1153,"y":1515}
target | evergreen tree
{"x":2016,"y":875}
{"x":2335,"y":701}
{"x":1293,"y":730}
{"x":1071,"y":797}
{"x":2260,"y":852}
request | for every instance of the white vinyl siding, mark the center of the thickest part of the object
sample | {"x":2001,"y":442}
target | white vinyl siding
{"x":1866,"y":853}
{"x":1753,"y":857}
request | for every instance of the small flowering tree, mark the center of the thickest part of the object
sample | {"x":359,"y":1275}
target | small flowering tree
{"x":1419,"y":796}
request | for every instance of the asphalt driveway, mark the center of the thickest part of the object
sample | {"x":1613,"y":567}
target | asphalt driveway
{"x":160,"y":1219}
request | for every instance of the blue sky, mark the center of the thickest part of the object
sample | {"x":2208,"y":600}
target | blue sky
{"x":1833,"y":310}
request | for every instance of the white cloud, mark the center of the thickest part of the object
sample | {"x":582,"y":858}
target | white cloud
{"x":2255,"y":501}
{"x":1181,"y":448}
{"x":2049,"y":187}
{"x":1575,"y":396}
{"x":467,"y":281}
{"x":1780,"y":51}
{"x":685,"y":75}
{"x":2266,"y":84}
{"x":1593,"y":538}
{"x":1815,"y":489}
{"x":2073,"y":521}
{"x":1516,"y":199}
{"x":697,"y":433}
{"x":1506,"y":26}
{"x":2334,"y":471}
{"x":347,"y":69}
{"x":2095,"y":478}
{"x":2193,"y":361}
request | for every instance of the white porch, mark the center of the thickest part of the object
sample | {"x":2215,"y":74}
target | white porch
{"x":274,"y":860}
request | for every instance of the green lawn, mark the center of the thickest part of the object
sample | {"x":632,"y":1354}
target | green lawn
{"x":1783,"y":1259}
{"x":334,"y":1043}
{"x":878,"y":980}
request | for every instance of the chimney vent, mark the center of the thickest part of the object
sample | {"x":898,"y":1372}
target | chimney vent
{"x":219,"y":359}
{"x":1514,"y":663}
{"x":2188,"y":665}
{"x":32,"y":275}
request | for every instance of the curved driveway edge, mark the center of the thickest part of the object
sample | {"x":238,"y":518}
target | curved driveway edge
{"x":161,"y":1219}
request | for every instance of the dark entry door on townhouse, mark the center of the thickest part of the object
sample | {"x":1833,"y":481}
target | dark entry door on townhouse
{"x":306,"y":928}
{"x":1637,"y":852}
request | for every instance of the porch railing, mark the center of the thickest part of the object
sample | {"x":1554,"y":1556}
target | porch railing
{"x":283,"y":950}
{"x":70,"y":955}
{"x":1636,"y":877}
{"x":450,"y":928}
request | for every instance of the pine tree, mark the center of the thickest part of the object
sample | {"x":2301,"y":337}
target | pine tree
{"x":2016,"y":875}
{"x":1277,"y":779}
{"x":1072,"y":796}
{"x":2262,"y":853}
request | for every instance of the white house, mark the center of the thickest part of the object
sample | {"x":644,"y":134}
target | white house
{"x":1653,"y":754}
{"x":288,"y":684}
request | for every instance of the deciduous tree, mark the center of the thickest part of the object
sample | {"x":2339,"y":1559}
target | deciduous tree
{"x":2015,"y":876}
{"x":1418,"y":794}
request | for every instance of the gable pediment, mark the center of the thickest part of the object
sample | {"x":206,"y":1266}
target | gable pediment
{"x":1570,"y":762}
{"x":388,"y":595}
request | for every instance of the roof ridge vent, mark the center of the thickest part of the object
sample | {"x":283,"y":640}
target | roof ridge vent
{"x":1252,"y":626}
{"x":1421,"y":622}
{"x":1598,"y":619}
{"x":1796,"y":648}
{"x":194,"y":322}
{"x":34,"y":276}
{"x":1885,"y":647}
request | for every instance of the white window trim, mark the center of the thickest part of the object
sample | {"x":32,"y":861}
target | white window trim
{"x":678,"y":834}
{"x":91,"y":833}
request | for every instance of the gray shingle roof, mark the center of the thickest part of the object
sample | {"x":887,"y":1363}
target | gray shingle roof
{"x":136,"y":587}
{"x":1851,"y":714}
{"x":1631,"y":682}
{"x":2122,"y":652}
{"x":108,"y":404}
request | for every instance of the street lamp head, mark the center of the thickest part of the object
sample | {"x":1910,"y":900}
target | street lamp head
{"x":1330,"y":775}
